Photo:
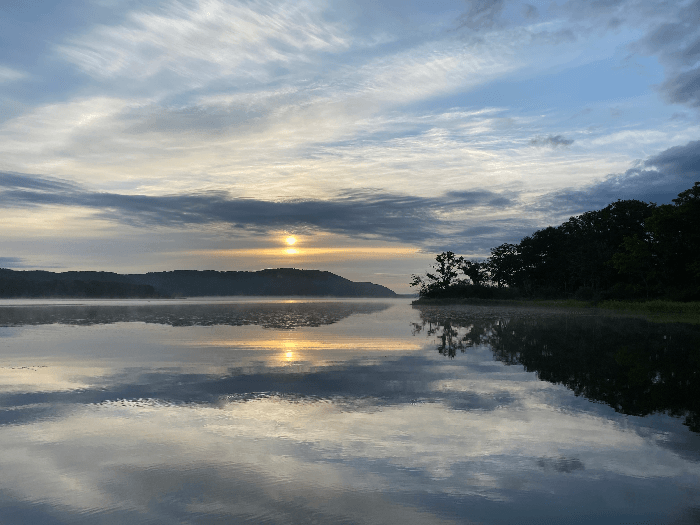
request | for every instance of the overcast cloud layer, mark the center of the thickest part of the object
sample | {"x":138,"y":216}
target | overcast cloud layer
{"x":137,"y":135}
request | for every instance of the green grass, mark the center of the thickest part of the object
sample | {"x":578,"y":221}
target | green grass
{"x":563,"y":303}
{"x":657,"y":310}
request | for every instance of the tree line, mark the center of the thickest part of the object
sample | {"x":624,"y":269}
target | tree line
{"x":628,"y":250}
{"x":23,"y":288}
{"x":188,"y":283}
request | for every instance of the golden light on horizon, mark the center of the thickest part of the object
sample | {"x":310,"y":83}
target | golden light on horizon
{"x":353,"y":252}
{"x":291,"y":240}
{"x":291,"y":251}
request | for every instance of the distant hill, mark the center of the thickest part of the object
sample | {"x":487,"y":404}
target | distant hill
{"x":188,"y":283}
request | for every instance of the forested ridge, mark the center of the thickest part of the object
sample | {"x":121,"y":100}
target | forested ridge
{"x":178,"y":283}
{"x":628,"y":250}
{"x":33,"y":285}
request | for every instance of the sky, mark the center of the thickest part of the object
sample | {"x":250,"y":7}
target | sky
{"x":145,"y":136}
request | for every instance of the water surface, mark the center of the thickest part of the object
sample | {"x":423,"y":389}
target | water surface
{"x":320,"y":411}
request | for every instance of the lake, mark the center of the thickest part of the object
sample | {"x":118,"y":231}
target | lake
{"x":344,"y":411}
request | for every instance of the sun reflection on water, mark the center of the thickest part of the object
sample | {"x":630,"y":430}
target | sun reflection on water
{"x":289,"y":348}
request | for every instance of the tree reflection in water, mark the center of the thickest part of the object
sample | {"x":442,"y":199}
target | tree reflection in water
{"x":280,"y":316}
{"x":635,"y":366}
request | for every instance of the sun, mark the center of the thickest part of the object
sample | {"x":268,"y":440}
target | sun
{"x":291,"y":240}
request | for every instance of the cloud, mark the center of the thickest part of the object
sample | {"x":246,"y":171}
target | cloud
{"x":101,"y":138}
{"x":667,"y":30}
{"x":677,"y":39}
{"x":10,"y":75}
{"x":561,"y":36}
{"x":553,"y":141}
{"x":24,"y":182}
{"x":561,"y":464}
{"x":376,"y":214}
{"x":12,"y":262}
{"x":482,"y":14}
{"x":658,"y":179}
{"x":683,"y":88}
{"x":679,"y":115}
{"x":676,"y":42}
{"x":206,"y":40}
{"x":679,"y":161}
{"x":478,"y":198}
{"x":530,"y":11}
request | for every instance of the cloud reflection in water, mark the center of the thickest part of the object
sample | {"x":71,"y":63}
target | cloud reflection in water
{"x":232,"y":433}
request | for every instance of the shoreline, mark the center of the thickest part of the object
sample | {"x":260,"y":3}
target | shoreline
{"x":655,"y":310}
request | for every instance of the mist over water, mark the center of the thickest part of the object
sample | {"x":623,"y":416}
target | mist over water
{"x":343,"y":411}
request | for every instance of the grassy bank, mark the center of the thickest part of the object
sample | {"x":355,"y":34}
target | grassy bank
{"x":657,"y":310}
{"x":476,"y":301}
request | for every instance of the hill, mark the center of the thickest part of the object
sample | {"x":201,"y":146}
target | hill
{"x":270,"y":282}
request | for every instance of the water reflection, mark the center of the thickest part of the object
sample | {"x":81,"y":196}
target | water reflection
{"x":633,"y":365}
{"x":133,"y":422}
{"x":281,"y":316}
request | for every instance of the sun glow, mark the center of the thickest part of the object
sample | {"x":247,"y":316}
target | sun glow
{"x":290,"y":347}
{"x":291,"y":251}
{"x":291,"y":240}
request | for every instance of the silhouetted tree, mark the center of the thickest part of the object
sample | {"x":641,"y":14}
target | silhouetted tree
{"x":675,"y":233}
{"x":504,"y":264}
{"x":477,"y":272}
{"x":444,"y":275}
{"x":628,"y":249}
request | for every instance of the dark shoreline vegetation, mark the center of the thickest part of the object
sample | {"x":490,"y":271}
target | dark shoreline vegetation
{"x":40,"y":284}
{"x":621,"y":257}
{"x":654,"y":310}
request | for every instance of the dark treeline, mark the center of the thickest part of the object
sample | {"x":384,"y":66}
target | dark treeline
{"x":628,"y":250}
{"x":74,"y":288}
{"x":179,"y":283}
{"x":635,"y":366}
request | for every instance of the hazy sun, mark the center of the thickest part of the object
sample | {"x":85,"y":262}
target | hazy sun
{"x":291,"y":240}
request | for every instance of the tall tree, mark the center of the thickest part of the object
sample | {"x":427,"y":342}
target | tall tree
{"x":444,"y":275}
{"x":505,"y":265}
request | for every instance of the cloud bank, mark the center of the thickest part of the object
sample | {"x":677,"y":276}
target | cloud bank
{"x":365,"y":213}
{"x":434,"y":223}
{"x":658,"y":179}
{"x":553,"y":141}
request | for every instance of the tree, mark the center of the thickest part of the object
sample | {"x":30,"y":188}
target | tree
{"x":476,"y":271}
{"x":504,"y":264}
{"x":446,"y":271}
{"x":636,"y":259}
{"x":675,"y":239}
{"x":594,"y":237}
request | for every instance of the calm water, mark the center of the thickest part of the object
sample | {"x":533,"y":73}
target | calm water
{"x":344,"y":412}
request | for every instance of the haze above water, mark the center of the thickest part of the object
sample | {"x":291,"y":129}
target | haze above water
{"x":352,"y":411}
